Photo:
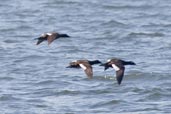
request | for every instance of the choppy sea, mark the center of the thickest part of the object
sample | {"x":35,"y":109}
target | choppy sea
{"x":34,"y":80}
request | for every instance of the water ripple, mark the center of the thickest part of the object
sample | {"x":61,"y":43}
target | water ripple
{"x":34,"y":78}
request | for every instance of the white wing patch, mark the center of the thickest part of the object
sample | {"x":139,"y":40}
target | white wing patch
{"x":83,"y":67}
{"x":108,"y":60}
{"x":115,"y":67}
{"x":49,"y":34}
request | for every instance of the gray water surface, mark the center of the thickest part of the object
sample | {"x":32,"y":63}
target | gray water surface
{"x":34,"y":79}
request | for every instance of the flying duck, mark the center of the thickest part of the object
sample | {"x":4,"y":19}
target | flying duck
{"x":86,"y":65}
{"x":119,"y":67}
{"x":50,"y":37}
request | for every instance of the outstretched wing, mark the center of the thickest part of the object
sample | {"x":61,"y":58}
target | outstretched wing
{"x":40,"y":40}
{"x":120,"y":75}
{"x":87,"y":69}
{"x":119,"y":72}
{"x":51,"y":38}
{"x":73,"y":65}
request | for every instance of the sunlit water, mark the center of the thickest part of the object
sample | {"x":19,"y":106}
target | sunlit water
{"x":34,"y":79}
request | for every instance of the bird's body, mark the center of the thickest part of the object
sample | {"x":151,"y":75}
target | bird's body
{"x":50,"y":37}
{"x":119,"y":67}
{"x":86,"y":65}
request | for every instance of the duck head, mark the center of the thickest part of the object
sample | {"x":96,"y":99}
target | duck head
{"x":64,"y":35}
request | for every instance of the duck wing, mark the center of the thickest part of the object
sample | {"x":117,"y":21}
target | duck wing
{"x":51,"y":38}
{"x":87,"y":69}
{"x":40,"y":40}
{"x":73,"y":65}
{"x":120,"y":75}
{"x":119,"y":72}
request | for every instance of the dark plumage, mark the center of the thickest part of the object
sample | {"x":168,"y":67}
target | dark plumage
{"x":119,"y":66}
{"x":86,"y":65}
{"x":50,"y":37}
